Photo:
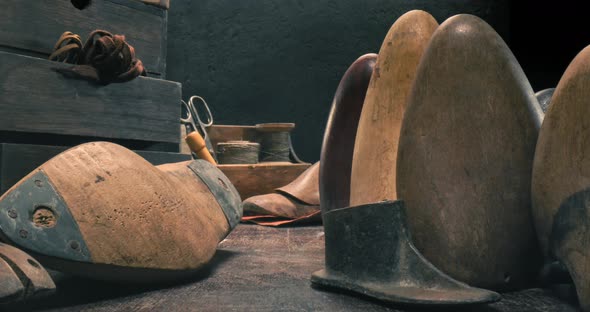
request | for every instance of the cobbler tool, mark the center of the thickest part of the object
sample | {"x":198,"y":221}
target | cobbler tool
{"x":102,"y":211}
{"x":368,"y":247}
{"x":197,"y":138}
{"x":561,"y":177}
{"x":465,"y":158}
{"x":375,"y":151}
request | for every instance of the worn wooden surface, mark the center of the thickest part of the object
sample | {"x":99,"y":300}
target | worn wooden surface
{"x":262,"y":178}
{"x":17,"y":160}
{"x":224,"y":133}
{"x":176,"y":219}
{"x":375,"y":150}
{"x":36,"y":98}
{"x":466,"y":155}
{"x":255,"y":269}
{"x":35,"y":26}
{"x":561,"y":169}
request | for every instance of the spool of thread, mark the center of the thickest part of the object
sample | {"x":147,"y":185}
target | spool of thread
{"x":238,"y":152}
{"x":275,"y":141}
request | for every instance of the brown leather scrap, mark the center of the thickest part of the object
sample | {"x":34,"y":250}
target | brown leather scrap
{"x":104,"y":58}
{"x":295,"y":203}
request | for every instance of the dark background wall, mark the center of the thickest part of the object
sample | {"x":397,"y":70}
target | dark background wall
{"x":258,"y":61}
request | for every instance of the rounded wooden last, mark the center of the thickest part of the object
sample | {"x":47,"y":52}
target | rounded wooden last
{"x":465,"y":158}
{"x":137,"y":221}
{"x":341,"y":128}
{"x":561,"y":173}
{"x":375,"y":150}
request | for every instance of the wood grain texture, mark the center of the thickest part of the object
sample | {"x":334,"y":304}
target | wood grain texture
{"x":134,"y":215}
{"x":36,"y":25}
{"x":256,"y":269}
{"x":263,"y":178}
{"x":17,"y":160}
{"x":465,"y":158}
{"x":338,"y":144}
{"x":375,"y":150}
{"x":36,"y":98}
{"x":561,"y":168}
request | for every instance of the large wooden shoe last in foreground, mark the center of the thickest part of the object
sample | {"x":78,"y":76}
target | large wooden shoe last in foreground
{"x":561,"y":176}
{"x":466,"y":155}
{"x":101,"y":210}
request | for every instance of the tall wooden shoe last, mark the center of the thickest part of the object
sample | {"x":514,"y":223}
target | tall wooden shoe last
{"x":466,"y":155}
{"x":375,"y":149}
{"x":368,"y":247}
{"x":561,"y":176}
{"x":100,"y":210}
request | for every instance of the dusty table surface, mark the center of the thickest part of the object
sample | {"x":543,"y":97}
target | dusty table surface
{"x":255,"y":269}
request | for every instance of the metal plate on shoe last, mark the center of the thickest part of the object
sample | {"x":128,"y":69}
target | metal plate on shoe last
{"x":34,"y":216}
{"x":224,"y":191}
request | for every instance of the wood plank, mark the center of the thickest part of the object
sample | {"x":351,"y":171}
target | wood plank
{"x":255,"y":269}
{"x":17,"y":160}
{"x":262,"y":178}
{"x":36,"y":25}
{"x":36,"y":98}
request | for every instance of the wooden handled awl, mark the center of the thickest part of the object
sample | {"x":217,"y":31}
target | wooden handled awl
{"x":196,"y":143}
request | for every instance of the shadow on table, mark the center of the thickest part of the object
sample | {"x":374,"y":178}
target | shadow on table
{"x":73,"y":290}
{"x":560,"y":298}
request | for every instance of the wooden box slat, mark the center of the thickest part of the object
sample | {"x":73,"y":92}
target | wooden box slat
{"x":18,"y":160}
{"x":36,"y":25}
{"x":262,"y":178}
{"x":37,"y":99}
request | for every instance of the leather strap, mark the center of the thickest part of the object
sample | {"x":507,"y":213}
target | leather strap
{"x":104,"y":58}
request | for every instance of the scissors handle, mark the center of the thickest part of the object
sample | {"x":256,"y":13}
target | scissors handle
{"x":196,"y":113}
{"x":198,"y":127}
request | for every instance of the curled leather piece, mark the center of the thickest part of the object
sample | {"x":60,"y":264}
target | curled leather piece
{"x":102,"y":211}
{"x":104,"y":58}
{"x":21,"y":276}
{"x":296,"y":202}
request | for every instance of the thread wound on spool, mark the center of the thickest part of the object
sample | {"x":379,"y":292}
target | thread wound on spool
{"x":275,"y":141}
{"x":238,"y":152}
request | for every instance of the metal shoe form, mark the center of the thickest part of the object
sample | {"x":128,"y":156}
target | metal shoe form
{"x":368,"y":248}
{"x":369,"y":251}
{"x":102,"y":211}
{"x":561,"y":177}
{"x":544,"y":98}
{"x":21,"y":277}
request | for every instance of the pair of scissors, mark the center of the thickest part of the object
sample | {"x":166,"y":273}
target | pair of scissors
{"x":193,"y":122}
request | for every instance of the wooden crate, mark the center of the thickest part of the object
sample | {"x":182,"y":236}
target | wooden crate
{"x":34,"y":98}
{"x":33,"y":27}
{"x":253,"y":179}
{"x":18,"y":160}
